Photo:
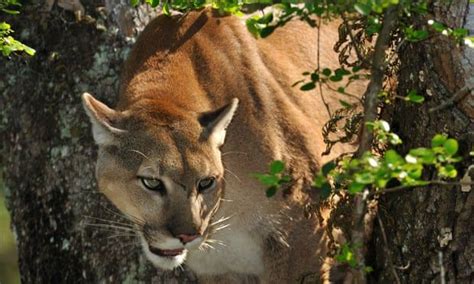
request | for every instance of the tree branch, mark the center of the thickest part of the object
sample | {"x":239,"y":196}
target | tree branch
{"x":377,"y":77}
{"x":452,"y":100}
{"x":370,"y":114}
{"x":403,"y":187}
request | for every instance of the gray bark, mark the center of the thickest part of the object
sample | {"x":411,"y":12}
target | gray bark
{"x":425,"y":224}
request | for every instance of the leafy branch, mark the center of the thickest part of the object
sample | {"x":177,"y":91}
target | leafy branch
{"x":9,"y":44}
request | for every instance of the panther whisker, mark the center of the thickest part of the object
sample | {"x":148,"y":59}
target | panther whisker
{"x":214,"y":241}
{"x":125,"y":216}
{"x":221,"y":227}
{"x":128,"y":245}
{"x":226,"y":200}
{"x":233,"y":152}
{"x":110,"y":221}
{"x":235,"y":176}
{"x":138,"y":152}
{"x":108,"y":226}
{"x":207,"y":245}
{"x":122,"y":235}
{"x":223,"y":219}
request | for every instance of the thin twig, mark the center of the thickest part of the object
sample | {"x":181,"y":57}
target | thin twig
{"x":370,"y":114}
{"x":377,"y":77}
{"x":351,"y":36}
{"x":433,"y":182}
{"x":387,"y":251}
{"x":345,"y":93}
{"x":319,"y":66}
{"x":452,"y":100}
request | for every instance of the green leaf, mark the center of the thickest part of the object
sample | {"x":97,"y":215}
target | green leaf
{"x":308,"y":86}
{"x":284,"y":179}
{"x":451,"y":146}
{"x":4,"y":26}
{"x":269,"y":180}
{"x":381,"y":182}
{"x":335,"y":78}
{"x":166,"y":9}
{"x":266,"y":19}
{"x":364,"y":178}
{"x":315,"y":77}
{"x":345,"y":104}
{"x":271,"y":191}
{"x":394,"y":139}
{"x":266,"y":31}
{"x":326,"y":72}
{"x":342,"y":72}
{"x":460,"y":32}
{"x":355,"y":187}
{"x":134,"y":3}
{"x":251,"y":24}
{"x":277,"y":167}
{"x":30,"y":51}
{"x":154,"y":3}
{"x":199,"y":3}
{"x":414,"y":97}
{"x":448,"y":171}
{"x":426,"y":155}
{"x":325,"y":190}
{"x":392,"y":157}
{"x":438,"y":140}
{"x":415,"y":35}
{"x":328,"y":167}
{"x":363,"y":9}
{"x":11,"y":12}
{"x":319,"y":180}
{"x":438,"y":26}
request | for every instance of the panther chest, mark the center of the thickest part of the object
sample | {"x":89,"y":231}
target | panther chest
{"x":235,"y":252}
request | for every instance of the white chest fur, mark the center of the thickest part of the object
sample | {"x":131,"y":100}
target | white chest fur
{"x":240,"y":252}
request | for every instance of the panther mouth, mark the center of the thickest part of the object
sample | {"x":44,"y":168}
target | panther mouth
{"x":166,"y":252}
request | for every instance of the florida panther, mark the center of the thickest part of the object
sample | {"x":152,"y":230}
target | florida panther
{"x":203,"y":105}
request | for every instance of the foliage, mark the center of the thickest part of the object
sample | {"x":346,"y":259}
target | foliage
{"x":326,"y":76}
{"x":346,"y":255}
{"x":274,"y":178}
{"x":8,"y":44}
{"x":376,"y":172}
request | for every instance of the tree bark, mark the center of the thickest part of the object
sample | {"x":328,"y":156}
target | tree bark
{"x":47,"y":149}
{"x":429,"y":230}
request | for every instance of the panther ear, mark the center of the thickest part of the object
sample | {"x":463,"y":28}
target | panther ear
{"x":215,"y":123}
{"x":102,"y":118}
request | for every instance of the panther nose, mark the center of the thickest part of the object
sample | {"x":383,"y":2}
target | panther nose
{"x":187,"y":238}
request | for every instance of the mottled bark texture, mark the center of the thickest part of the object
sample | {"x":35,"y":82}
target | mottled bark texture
{"x":47,"y":149}
{"x":430,"y":230}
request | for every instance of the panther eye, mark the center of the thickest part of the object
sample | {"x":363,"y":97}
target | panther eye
{"x":206,"y":183}
{"x":152,"y":184}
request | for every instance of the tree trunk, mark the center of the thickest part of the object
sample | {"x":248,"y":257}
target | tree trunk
{"x":47,"y":149}
{"x":430,"y":230}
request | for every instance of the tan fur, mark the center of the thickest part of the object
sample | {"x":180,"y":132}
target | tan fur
{"x":182,"y":67}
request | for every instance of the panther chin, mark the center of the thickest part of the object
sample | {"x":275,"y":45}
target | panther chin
{"x":167,"y":259}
